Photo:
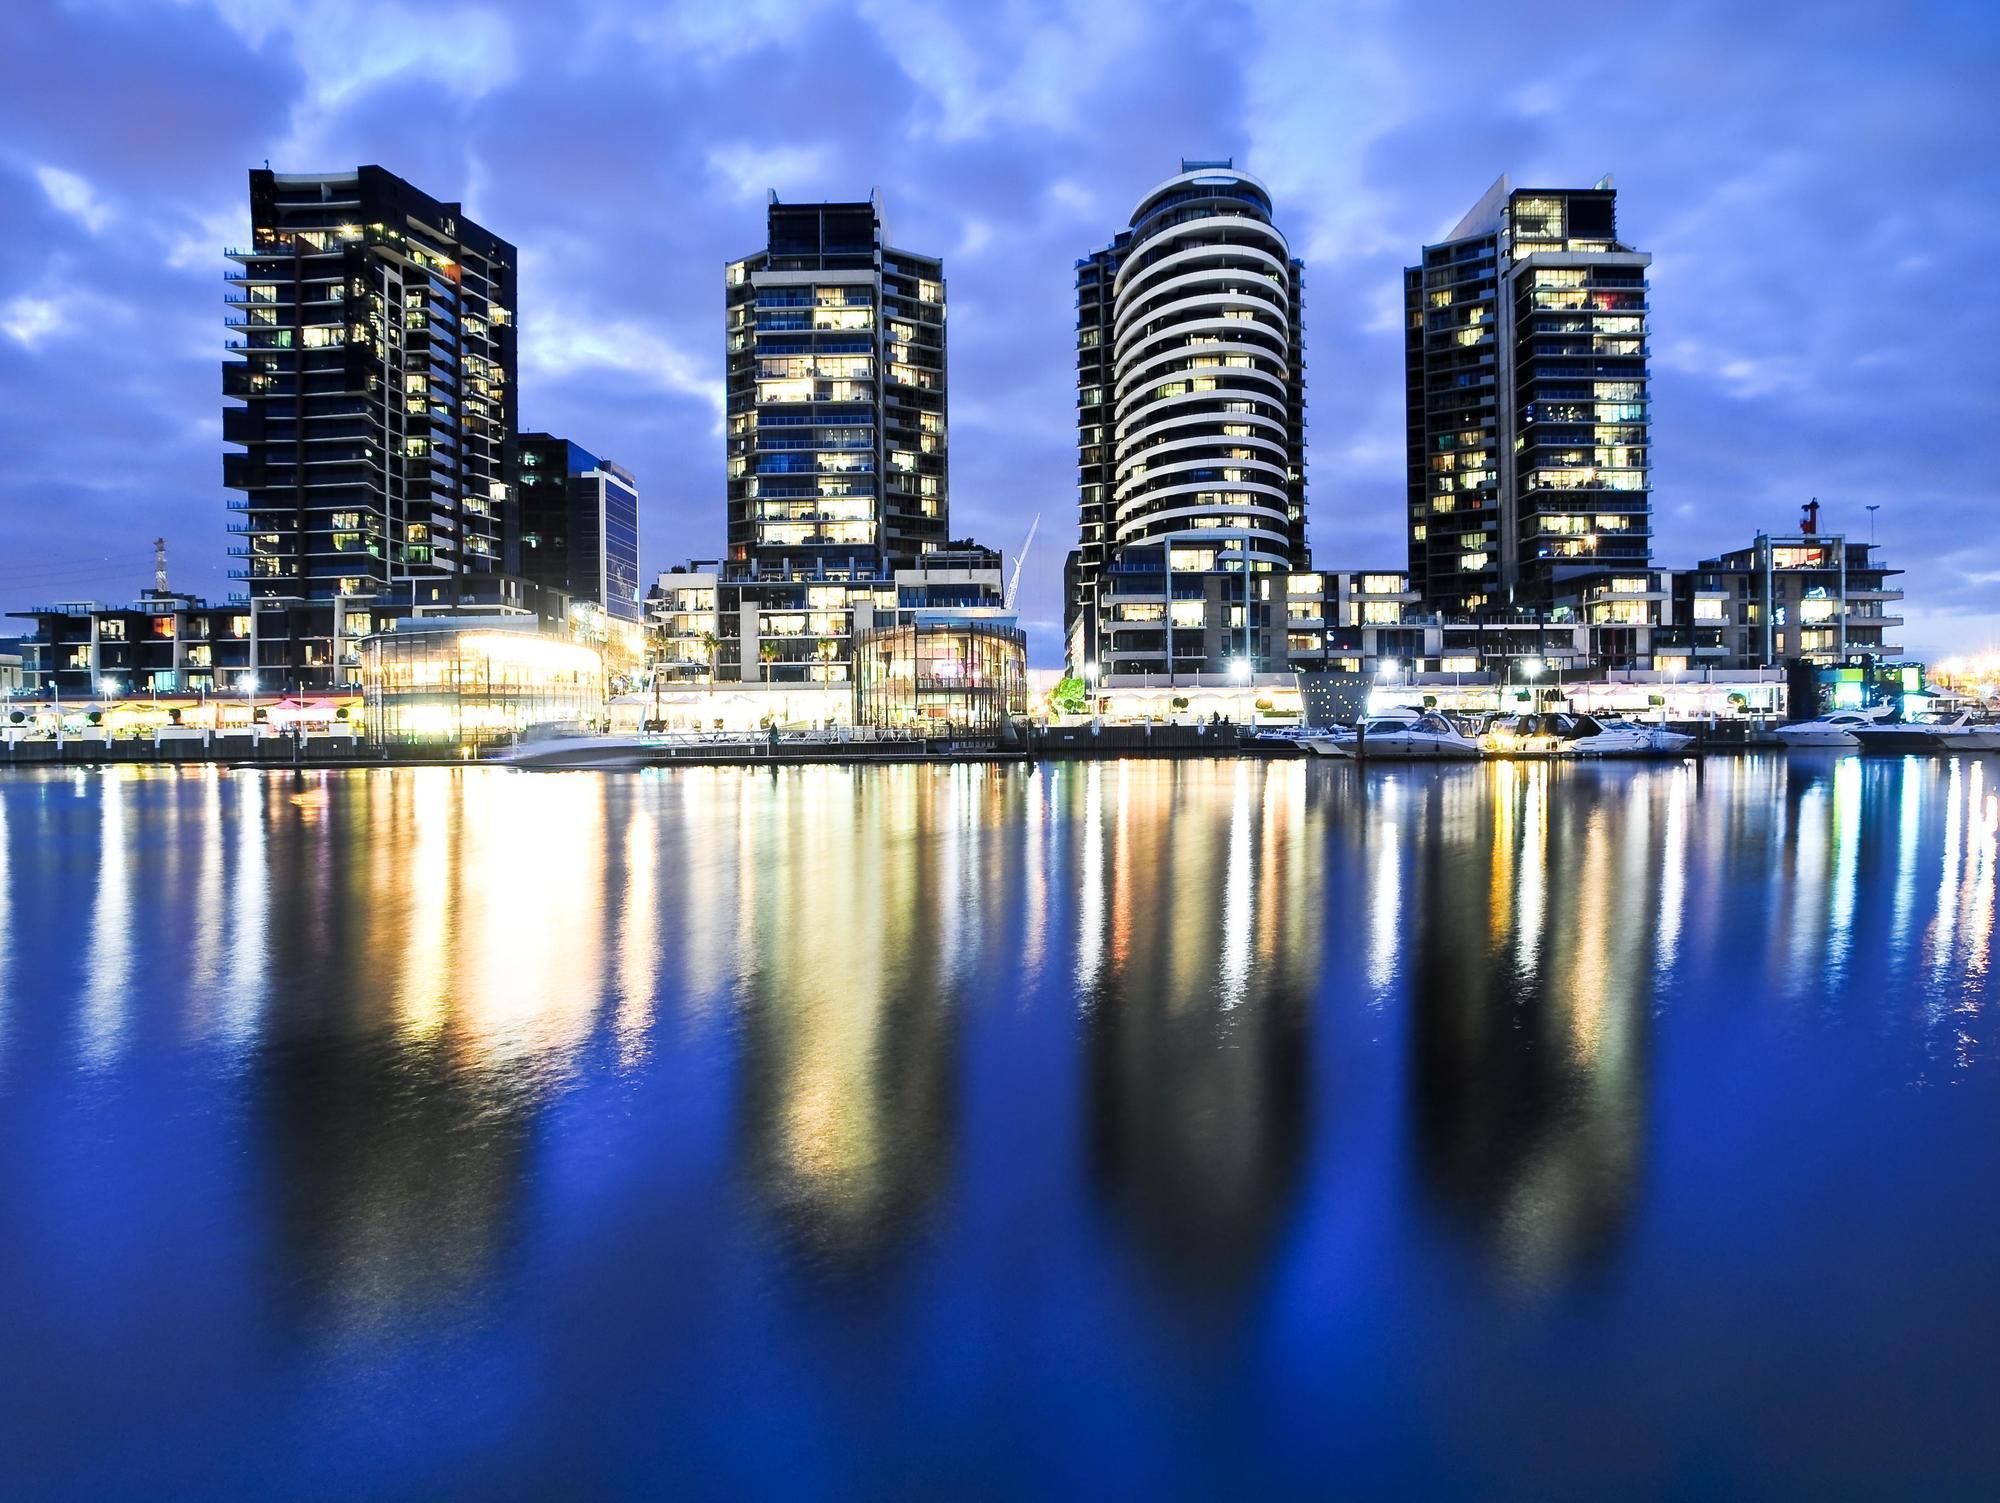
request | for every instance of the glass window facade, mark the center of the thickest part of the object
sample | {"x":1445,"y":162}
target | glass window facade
{"x":447,"y":686}
{"x":969,"y":675}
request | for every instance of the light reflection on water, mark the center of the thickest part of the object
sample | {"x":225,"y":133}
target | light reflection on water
{"x":1028,"y":1064}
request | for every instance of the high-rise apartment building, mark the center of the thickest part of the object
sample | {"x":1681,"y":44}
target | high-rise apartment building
{"x":836,"y":398}
{"x":1190,"y":433}
{"x":371,"y":381}
{"x":1528,"y":412}
{"x":579,"y":517}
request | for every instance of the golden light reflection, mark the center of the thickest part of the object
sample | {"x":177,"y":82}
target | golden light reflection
{"x":415,"y":902}
{"x":530,"y":919}
{"x":1236,"y":914}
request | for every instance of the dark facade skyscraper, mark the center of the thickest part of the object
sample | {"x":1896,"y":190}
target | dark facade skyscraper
{"x":1190,"y":431}
{"x":1528,"y":410}
{"x":836,"y":398}
{"x":579,"y":524}
{"x":372,"y":378}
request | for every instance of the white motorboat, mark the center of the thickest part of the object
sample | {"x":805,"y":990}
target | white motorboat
{"x":1566,"y":735}
{"x":1835,"y":730}
{"x":1401,"y":738}
{"x":548,"y":753}
{"x":1946,"y":731}
{"x":1658,"y":738}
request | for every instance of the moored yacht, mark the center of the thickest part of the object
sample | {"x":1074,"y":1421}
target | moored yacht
{"x":1401,"y":737}
{"x":1835,"y":730}
{"x":1658,"y":738}
{"x":1567,"y":735}
{"x":1939,"y":731}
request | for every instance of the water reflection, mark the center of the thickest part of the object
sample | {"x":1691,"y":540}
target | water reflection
{"x":1196,"y":1023}
{"x":109,"y":966}
{"x":401,"y":973}
{"x":853,"y":931}
{"x":1540,"y":906}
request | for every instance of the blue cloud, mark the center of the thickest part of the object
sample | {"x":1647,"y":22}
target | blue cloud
{"x":1815,"y":181}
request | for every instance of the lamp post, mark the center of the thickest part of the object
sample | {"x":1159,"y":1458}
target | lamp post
{"x":249,"y":682}
{"x":1531,"y":670}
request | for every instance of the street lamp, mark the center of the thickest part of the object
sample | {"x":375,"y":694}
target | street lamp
{"x":1239,"y":669}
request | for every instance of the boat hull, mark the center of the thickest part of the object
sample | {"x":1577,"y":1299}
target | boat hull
{"x":1397,"y":748}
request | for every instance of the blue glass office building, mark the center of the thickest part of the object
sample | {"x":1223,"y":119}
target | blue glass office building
{"x":579,"y":524}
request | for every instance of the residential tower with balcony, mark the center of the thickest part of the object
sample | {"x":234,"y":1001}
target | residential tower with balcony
{"x":1190,"y":433}
{"x":1528,"y":402}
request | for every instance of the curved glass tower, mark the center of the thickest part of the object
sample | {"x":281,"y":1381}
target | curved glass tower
{"x":1191,"y":430}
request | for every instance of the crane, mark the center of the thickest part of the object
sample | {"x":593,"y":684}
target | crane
{"x":1014,"y":582}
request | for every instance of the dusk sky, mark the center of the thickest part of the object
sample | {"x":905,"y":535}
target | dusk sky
{"x":1817,"y":183}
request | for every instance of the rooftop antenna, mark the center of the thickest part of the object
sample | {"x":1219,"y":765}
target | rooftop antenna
{"x":160,"y":565}
{"x":1873,"y":507}
{"x":1020,"y":558}
{"x":1809,"y":520}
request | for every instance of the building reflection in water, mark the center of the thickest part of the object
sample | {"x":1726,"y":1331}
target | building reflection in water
{"x":1544,"y":898}
{"x":440,"y":939}
{"x":451,"y":947}
{"x":1199,"y":925}
{"x":865,"y":901}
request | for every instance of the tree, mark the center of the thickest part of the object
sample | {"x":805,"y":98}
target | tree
{"x":1070,"y":696}
{"x":711,"y":644}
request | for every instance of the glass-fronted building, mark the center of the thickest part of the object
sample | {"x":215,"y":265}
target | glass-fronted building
{"x":939,"y":670}
{"x":1528,"y":412}
{"x":370,"y":390}
{"x":474,"y":682}
{"x":836,"y":398}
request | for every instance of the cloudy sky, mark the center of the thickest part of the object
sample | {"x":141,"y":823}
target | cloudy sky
{"x":1817,"y":183}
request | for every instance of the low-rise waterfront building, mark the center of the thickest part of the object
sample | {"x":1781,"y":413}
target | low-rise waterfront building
{"x":167,"y":643}
{"x":1809,"y":595}
{"x":712,"y":624}
{"x":938,"y":670}
{"x":473,"y":682}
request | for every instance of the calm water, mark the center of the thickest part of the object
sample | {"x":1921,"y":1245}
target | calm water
{"x":1130,"y":1130}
